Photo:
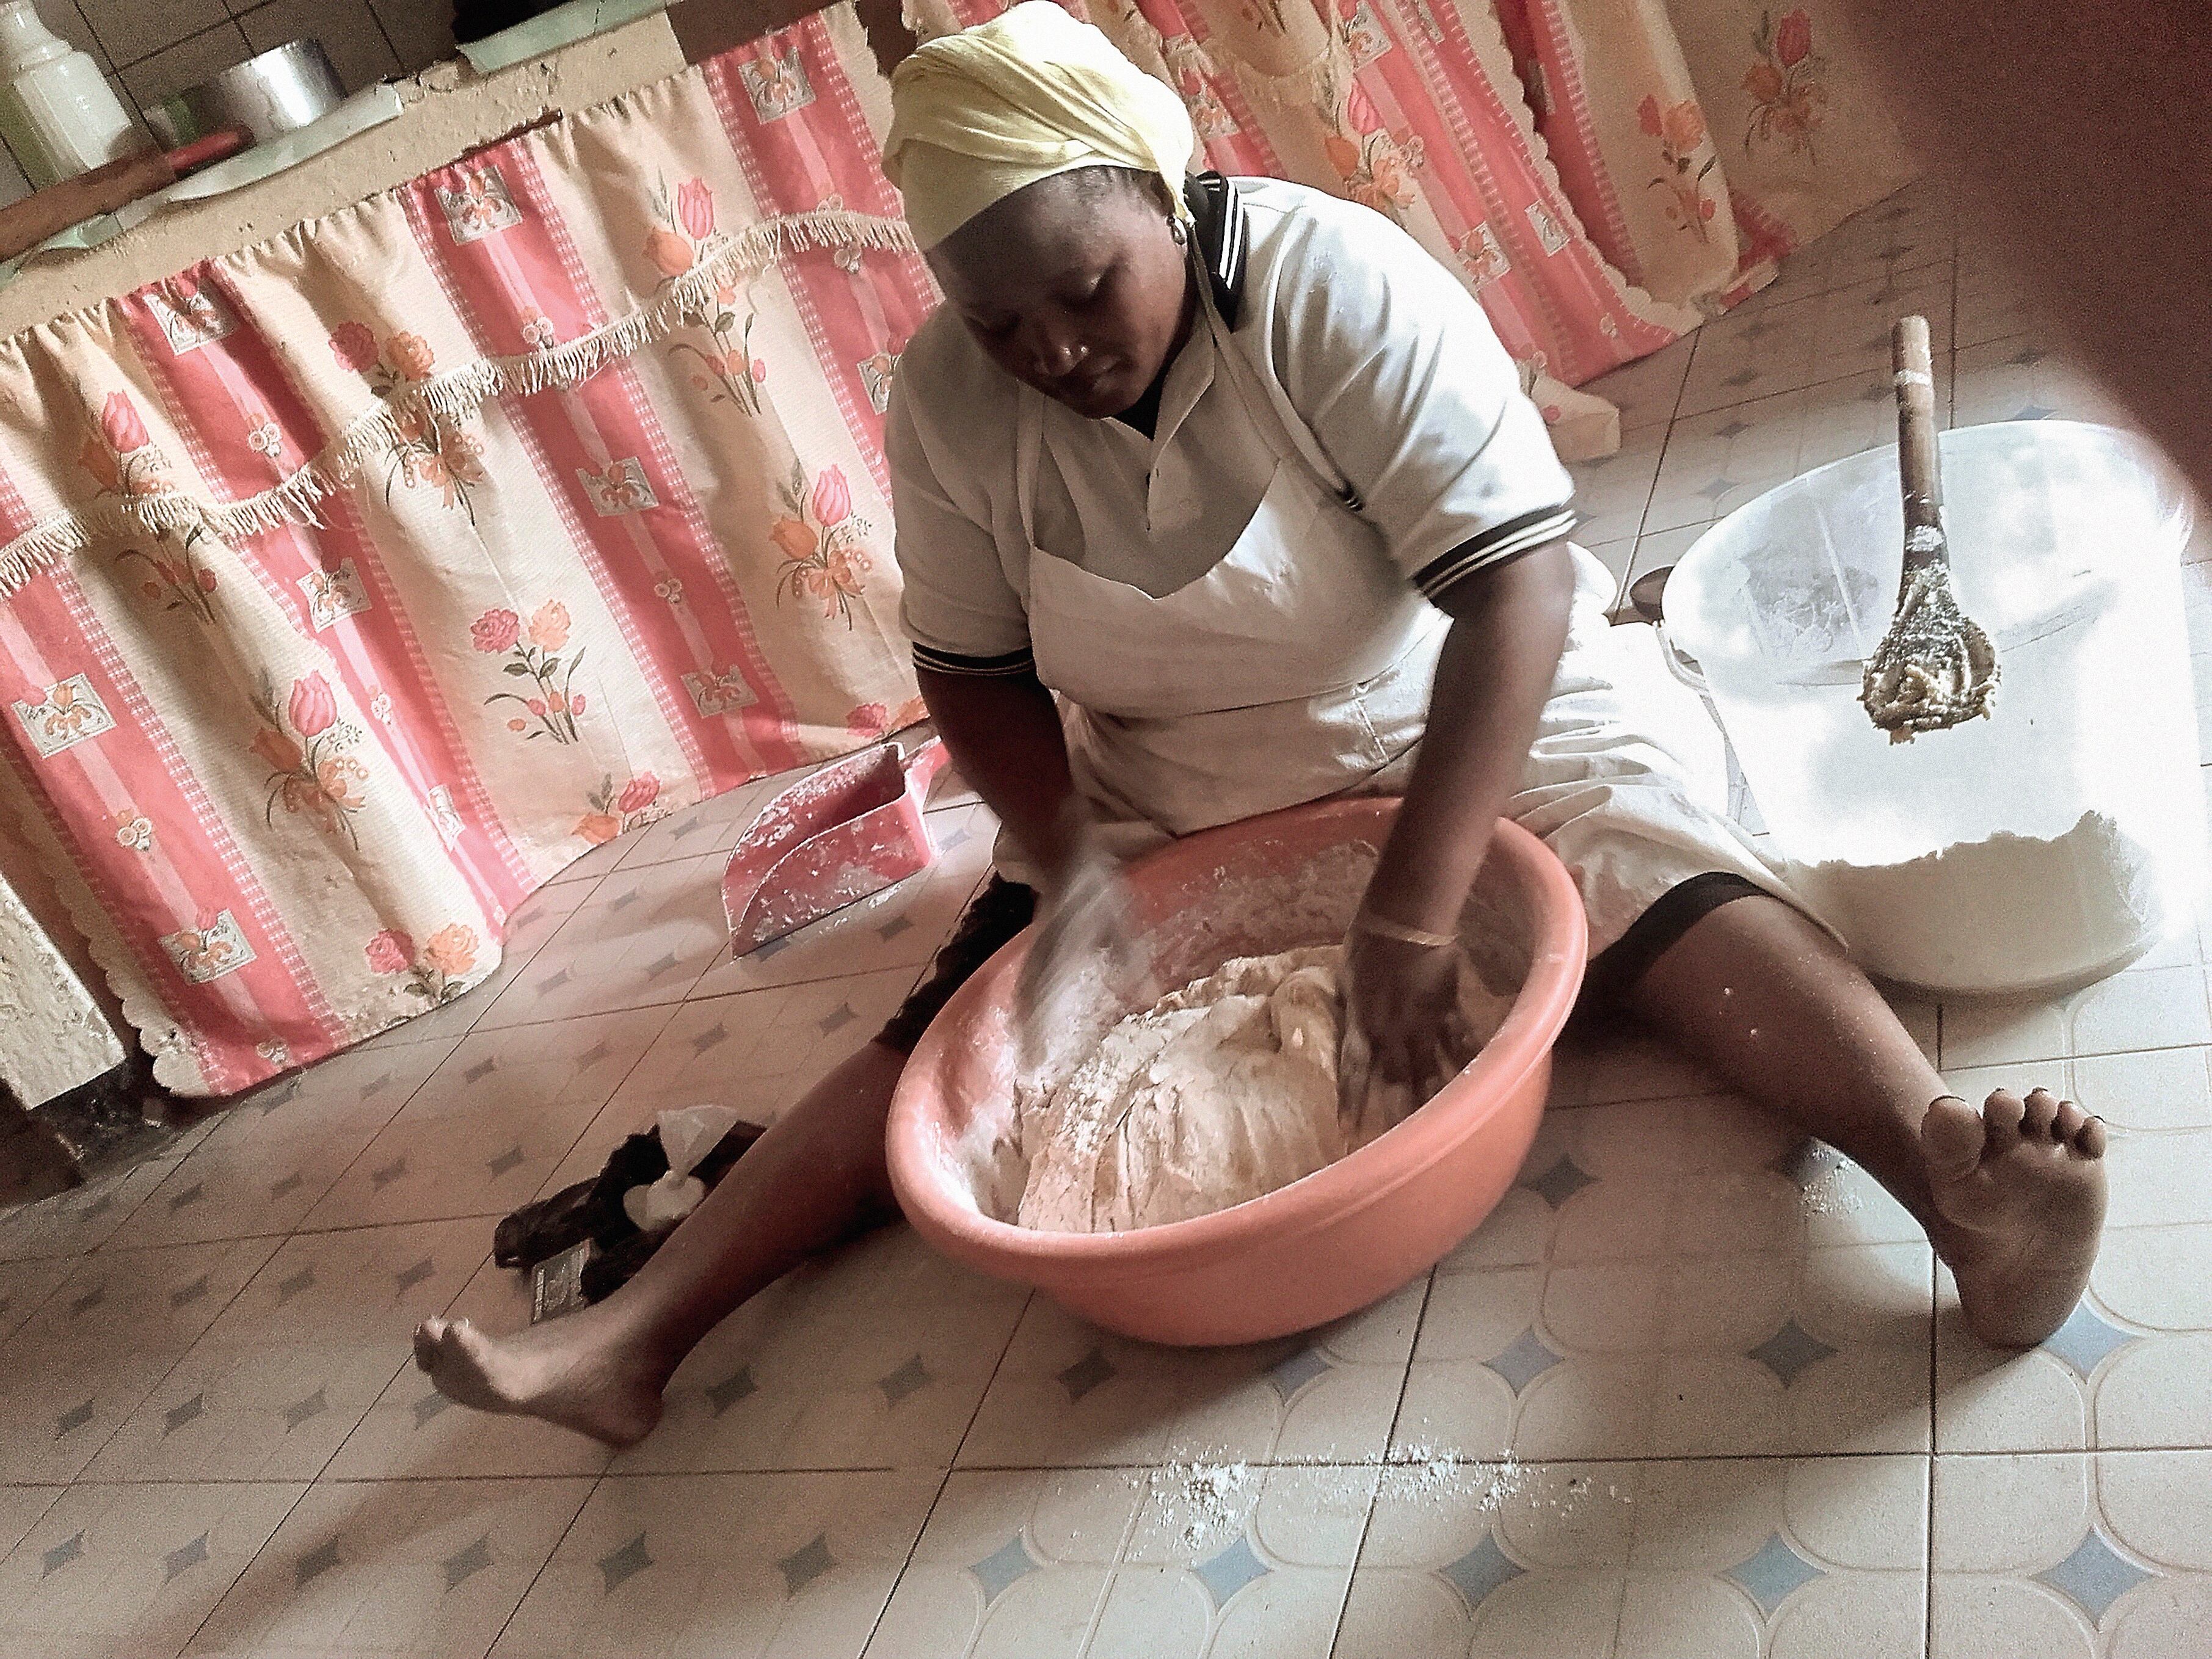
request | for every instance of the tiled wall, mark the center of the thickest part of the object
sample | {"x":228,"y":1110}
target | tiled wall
{"x":151,"y":50}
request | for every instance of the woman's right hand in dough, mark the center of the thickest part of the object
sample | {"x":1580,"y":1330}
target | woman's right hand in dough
{"x":1402,"y":1022}
{"x":1086,"y":931}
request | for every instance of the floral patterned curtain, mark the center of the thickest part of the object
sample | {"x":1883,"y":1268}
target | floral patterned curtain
{"x":1604,"y":174}
{"x":363,"y":580}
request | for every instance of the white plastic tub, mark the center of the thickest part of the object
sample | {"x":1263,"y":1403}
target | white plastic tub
{"x":2046,"y":847}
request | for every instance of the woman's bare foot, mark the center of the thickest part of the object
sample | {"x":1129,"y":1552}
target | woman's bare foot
{"x":556,"y":1371}
{"x":2020,"y":1187}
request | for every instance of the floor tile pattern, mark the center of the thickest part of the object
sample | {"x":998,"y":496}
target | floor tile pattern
{"x":1696,"y":1391}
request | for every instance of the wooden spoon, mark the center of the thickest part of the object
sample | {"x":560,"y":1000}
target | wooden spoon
{"x":1936,"y":668}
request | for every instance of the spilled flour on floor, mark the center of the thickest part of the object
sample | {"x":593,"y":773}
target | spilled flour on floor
{"x":1424,"y":1471}
{"x":1830,"y":1195}
{"x":1424,"y":1474}
{"x":1204,"y":1504}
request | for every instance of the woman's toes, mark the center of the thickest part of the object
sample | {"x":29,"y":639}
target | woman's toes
{"x":427,"y":1335}
{"x":2003,"y":1114}
{"x":1952,"y":1137}
{"x":2090,"y":1142}
{"x":2039,"y":1112}
{"x":2067,"y":1122}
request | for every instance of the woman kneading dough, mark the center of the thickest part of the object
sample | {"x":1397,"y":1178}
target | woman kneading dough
{"x":1217,"y":496}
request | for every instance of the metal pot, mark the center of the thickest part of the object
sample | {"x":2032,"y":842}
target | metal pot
{"x":279,"y":92}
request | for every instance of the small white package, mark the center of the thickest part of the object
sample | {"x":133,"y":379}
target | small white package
{"x":687,"y":1136}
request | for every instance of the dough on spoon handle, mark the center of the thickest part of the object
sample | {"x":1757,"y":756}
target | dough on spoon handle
{"x":1935,"y":668}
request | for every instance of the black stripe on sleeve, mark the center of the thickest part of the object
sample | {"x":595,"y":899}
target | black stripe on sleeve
{"x":1495,"y":545}
{"x":946,"y":662}
{"x":1223,"y":236}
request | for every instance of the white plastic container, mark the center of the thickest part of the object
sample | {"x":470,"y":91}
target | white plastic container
{"x":2039,"y":850}
{"x":57,"y":112}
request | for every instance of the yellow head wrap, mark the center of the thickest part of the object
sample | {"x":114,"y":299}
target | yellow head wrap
{"x":977,"y":115}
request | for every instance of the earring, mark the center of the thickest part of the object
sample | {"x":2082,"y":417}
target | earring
{"x":1176,"y":233}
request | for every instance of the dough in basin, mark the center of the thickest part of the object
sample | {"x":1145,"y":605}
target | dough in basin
{"x":1220,"y":1092}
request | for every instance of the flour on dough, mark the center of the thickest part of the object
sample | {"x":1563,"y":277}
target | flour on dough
{"x":1220,"y":1092}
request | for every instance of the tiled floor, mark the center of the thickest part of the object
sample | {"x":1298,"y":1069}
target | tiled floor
{"x":1696,"y":1391}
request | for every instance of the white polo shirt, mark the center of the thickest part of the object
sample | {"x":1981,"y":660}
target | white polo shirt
{"x":1388,"y":361}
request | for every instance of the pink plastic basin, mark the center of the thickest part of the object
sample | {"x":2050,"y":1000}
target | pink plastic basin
{"x":1320,"y":1248}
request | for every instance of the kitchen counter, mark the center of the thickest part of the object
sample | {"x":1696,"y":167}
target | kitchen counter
{"x":449,"y":110}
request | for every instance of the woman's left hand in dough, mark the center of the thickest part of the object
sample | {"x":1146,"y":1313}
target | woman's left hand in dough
{"x":1404,"y":1023}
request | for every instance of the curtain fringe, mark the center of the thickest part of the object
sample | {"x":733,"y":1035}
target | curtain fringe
{"x":1322,"y":76}
{"x":1300,"y":88}
{"x":451,"y":397}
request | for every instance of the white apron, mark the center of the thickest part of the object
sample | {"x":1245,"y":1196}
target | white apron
{"x":1297,"y":666}
{"x":1300,"y":666}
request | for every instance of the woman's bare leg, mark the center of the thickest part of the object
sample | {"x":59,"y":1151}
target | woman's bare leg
{"x":814,"y":1179}
{"x":2012,"y":1196}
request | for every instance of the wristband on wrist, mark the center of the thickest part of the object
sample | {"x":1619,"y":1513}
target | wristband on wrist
{"x":1366,"y":921}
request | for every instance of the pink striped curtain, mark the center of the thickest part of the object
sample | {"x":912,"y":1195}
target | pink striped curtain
{"x":1604,"y":174}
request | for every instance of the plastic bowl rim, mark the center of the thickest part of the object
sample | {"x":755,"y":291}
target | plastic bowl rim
{"x":1683,"y":624}
{"x":1523,"y":1044}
